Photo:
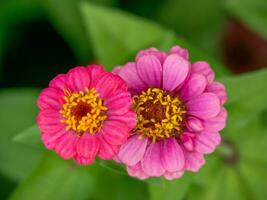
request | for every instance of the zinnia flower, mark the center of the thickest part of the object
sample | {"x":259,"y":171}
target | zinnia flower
{"x":84,"y":113}
{"x":179,"y":111}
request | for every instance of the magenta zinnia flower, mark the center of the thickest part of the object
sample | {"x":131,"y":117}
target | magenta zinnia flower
{"x":179,"y":114}
{"x":84,"y":113}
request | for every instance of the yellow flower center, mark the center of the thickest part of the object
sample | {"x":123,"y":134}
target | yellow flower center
{"x":160,"y":115}
{"x":83,"y":111}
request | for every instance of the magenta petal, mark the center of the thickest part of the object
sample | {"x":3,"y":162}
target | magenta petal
{"x":66,"y":145}
{"x":106,"y":85}
{"x":49,"y":121}
{"x":129,"y":74}
{"x":206,"y":142}
{"x":180,"y":51}
{"x":133,"y":150}
{"x":187,"y":141}
{"x":50,"y":98}
{"x":204,"y":106}
{"x":194,"y":87}
{"x":203,"y":68}
{"x":107,"y":151}
{"x":116,"y":70}
{"x":78,"y":79}
{"x":128,"y":118}
{"x":151,"y":163}
{"x":137,"y":171}
{"x":119,"y":104}
{"x":175,"y":71}
{"x":115,"y":132}
{"x":194,"y":161}
{"x":218,"y":89}
{"x":59,"y":82}
{"x":173,"y":175}
{"x":172,"y":156}
{"x":216,"y":123}
{"x":50,"y":139}
{"x":194,"y":124}
{"x":95,"y":72}
{"x":150,"y":70}
{"x":87,"y":148}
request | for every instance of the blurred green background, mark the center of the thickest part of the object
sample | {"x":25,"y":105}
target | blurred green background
{"x":41,"y":38}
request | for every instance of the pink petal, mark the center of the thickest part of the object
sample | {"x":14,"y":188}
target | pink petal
{"x":133,"y":150}
{"x":217,"y":123}
{"x":172,"y":156}
{"x":78,"y":79}
{"x":151,"y":162}
{"x":50,"y":98}
{"x":129,"y":74}
{"x":137,"y":171}
{"x":194,"y":124}
{"x":50,"y":139}
{"x":128,"y":118}
{"x":115,"y":132}
{"x":194,"y":87}
{"x":116,"y":70}
{"x":95,"y":72}
{"x":66,"y":145}
{"x":204,"y":106}
{"x":194,"y":161}
{"x":161,"y":56}
{"x":119,"y":104}
{"x":203,"y":68}
{"x":175,"y":71}
{"x":49,"y":121}
{"x":87,"y":148}
{"x":106,"y":85}
{"x":218,"y":89}
{"x":107,"y":151}
{"x":187,"y":141}
{"x":59,"y":82}
{"x":180,"y":51}
{"x":150,"y":70}
{"x":173,"y":175}
{"x":206,"y":142}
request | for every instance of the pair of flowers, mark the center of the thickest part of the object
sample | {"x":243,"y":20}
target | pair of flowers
{"x":158,"y":115}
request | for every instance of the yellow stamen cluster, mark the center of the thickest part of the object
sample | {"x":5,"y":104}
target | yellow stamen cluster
{"x":159,"y":114}
{"x":83,"y":111}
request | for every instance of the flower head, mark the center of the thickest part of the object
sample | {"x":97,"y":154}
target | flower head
{"x":179,"y":111}
{"x":84,"y":113}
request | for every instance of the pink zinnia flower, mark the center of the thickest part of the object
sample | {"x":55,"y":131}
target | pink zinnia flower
{"x":84,"y":113}
{"x":179,"y":113}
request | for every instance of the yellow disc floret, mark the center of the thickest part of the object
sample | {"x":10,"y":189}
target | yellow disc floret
{"x":83,"y":111}
{"x":159,"y":114}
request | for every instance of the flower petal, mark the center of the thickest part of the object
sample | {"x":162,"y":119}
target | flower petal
{"x":129,"y":74}
{"x":137,"y":171}
{"x":151,"y":162}
{"x":87,"y":148}
{"x":203,"y":68}
{"x":59,"y":82}
{"x":173,"y":175}
{"x":128,"y":118}
{"x":161,"y":56}
{"x":216,"y":123}
{"x":133,"y":150}
{"x":187,"y":141}
{"x":150,"y":70}
{"x":194,"y":124}
{"x":175,"y":71}
{"x":194,"y":160}
{"x":218,"y":89}
{"x":119,"y":104}
{"x":204,"y":106}
{"x":194,"y":87}
{"x":172,"y":156}
{"x":66,"y":145}
{"x":107,"y":151}
{"x":180,"y":51}
{"x":115,"y":132}
{"x":50,"y":139}
{"x":78,"y":79}
{"x":206,"y":142}
{"x":50,"y":98}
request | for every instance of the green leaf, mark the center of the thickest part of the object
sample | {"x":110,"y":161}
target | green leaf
{"x":164,"y":189}
{"x":252,"y":12}
{"x":18,"y":111}
{"x":117,"y":36}
{"x":30,"y":136}
{"x":55,"y":178}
